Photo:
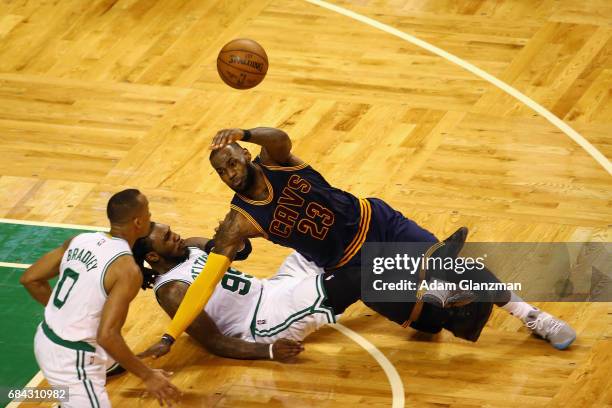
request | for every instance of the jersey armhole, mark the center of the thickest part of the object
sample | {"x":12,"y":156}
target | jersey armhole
{"x":103,"y":274}
{"x":250,"y":219}
{"x":272,"y":167}
{"x":155,"y":289}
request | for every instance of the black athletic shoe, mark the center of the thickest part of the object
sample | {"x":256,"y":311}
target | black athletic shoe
{"x":446,"y":294}
{"x":453,"y":244}
{"x":114,"y":371}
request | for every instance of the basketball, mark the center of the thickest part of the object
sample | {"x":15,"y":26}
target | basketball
{"x":242,"y":63}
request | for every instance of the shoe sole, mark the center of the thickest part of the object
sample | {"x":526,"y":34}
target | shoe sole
{"x":453,"y":301}
{"x":565,"y":344}
{"x":432,"y":300}
{"x":115,"y":371}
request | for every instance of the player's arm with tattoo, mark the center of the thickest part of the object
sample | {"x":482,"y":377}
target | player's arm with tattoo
{"x":207,"y":245}
{"x":204,"y":330}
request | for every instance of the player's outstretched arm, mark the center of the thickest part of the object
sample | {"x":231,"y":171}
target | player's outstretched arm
{"x":275,"y":144}
{"x":229,"y":238}
{"x":122,"y":282}
{"x":205,"y":331}
{"x":207,"y":246}
{"x":36,"y":278}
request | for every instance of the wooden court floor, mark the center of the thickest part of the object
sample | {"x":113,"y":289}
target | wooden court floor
{"x":100,"y":95}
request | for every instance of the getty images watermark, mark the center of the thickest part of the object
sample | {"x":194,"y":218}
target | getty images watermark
{"x":393,"y":272}
{"x":411,"y":265}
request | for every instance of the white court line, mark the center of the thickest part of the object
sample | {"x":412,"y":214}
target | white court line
{"x":561,"y":125}
{"x":14,"y":265}
{"x":397,"y":387}
{"x":52,"y":224}
{"x":34,"y":382}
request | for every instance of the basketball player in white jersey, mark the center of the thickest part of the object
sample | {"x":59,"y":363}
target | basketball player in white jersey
{"x":225,"y":326}
{"x":286,"y":307}
{"x":85,"y":311}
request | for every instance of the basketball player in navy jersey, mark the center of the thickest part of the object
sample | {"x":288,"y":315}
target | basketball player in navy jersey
{"x":283,"y":199}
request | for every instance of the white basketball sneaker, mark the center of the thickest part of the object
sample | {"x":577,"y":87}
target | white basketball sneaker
{"x":555,"y":331}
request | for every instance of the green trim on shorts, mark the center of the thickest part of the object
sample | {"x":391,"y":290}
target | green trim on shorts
{"x":90,"y":393}
{"x":331,"y":317}
{"x":89,"y":389}
{"x":78,"y":359}
{"x":253,"y":320}
{"x":74,"y":345}
{"x":286,"y":323}
{"x":316,"y":307}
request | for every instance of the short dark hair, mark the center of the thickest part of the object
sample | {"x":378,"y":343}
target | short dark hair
{"x":141,"y":248}
{"x":213,"y":153}
{"x":122,"y":206}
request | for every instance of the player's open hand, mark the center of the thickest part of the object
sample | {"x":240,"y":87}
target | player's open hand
{"x":225,"y":137}
{"x":285,"y":350}
{"x":158,"y":384}
{"x":157,"y":350}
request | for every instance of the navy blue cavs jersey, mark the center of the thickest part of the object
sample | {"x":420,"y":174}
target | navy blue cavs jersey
{"x":304,"y":212}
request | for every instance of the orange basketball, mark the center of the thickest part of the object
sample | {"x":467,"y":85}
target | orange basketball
{"x":242,"y":63}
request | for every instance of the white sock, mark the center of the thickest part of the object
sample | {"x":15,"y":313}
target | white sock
{"x":518,"y":307}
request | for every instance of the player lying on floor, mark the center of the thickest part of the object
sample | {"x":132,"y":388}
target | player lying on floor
{"x":251,"y":318}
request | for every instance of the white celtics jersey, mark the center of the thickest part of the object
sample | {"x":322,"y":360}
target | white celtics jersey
{"x":233,"y":301}
{"x":76,"y":303}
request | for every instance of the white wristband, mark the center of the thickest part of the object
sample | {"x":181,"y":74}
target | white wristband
{"x":270,"y":351}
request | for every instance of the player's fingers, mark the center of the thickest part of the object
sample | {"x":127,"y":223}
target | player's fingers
{"x":146,"y":353}
{"x":220,"y":142}
{"x":216,"y":139}
{"x":170,"y":395}
{"x":296,"y":343}
{"x":174,"y":389}
{"x":167,"y":391}
{"x":227,"y":139}
{"x":165,"y":400}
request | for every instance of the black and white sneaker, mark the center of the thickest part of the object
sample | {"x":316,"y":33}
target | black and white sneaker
{"x":114,"y":370}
